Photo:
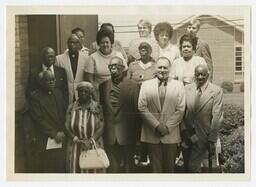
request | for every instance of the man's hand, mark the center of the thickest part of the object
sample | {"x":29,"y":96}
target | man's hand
{"x":60,"y":137}
{"x":162,"y":130}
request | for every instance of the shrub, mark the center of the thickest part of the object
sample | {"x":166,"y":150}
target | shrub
{"x":227,"y":86}
{"x":232,"y":139}
{"x":242,"y":87}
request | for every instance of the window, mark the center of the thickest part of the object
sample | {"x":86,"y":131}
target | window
{"x":239,"y":64}
{"x":238,"y":59}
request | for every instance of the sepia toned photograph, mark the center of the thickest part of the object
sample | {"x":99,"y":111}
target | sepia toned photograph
{"x":99,"y":91}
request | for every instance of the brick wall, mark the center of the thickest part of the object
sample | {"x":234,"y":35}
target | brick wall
{"x":21,"y":60}
{"x":21,"y":75}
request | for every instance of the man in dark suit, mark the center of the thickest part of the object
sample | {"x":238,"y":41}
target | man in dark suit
{"x":119,"y":100}
{"x":202,"y":48}
{"x":48,"y":111}
{"x":48,"y":60}
{"x":203,"y":118}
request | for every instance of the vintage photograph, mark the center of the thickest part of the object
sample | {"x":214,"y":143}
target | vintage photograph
{"x":109,"y":92}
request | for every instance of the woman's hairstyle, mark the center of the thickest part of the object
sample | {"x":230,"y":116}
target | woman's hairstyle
{"x":189,"y":38}
{"x":195,"y":21}
{"x":145,"y":23}
{"x":163,"y":26}
{"x":89,"y":87}
{"x":104,"y":33}
{"x":77,"y":29}
{"x":104,"y":25}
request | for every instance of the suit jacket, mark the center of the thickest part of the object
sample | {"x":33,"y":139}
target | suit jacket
{"x":121,"y":125}
{"x":47,"y":118}
{"x":152,"y":114}
{"x":60,"y":76}
{"x":63,"y":61}
{"x":203,"y":50}
{"x":207,"y":117}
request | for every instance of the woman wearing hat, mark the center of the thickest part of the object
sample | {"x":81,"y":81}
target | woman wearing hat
{"x":84,"y":122}
{"x":163,"y":33}
{"x":143,"y":68}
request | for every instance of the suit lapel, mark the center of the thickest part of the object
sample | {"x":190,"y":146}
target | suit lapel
{"x":107,"y":94}
{"x":155,"y":94}
{"x":79,"y":63}
{"x":205,"y":97}
{"x":68,"y":65}
{"x":124,"y":88}
{"x":50,"y":110}
{"x":190,"y":97}
{"x":167,"y":95}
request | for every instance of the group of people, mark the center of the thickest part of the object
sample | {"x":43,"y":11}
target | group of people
{"x":159,"y":95}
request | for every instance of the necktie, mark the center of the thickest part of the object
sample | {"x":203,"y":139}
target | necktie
{"x":162,"y":91}
{"x":197,"y":99}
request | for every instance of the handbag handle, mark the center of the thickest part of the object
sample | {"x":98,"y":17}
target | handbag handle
{"x":94,"y":146}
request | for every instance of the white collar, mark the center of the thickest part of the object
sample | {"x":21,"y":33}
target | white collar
{"x":203,"y":88}
{"x":167,"y":48}
{"x":45,"y":68}
{"x":145,"y":66}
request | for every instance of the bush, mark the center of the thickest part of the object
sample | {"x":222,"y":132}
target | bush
{"x":242,"y":87}
{"x":227,"y":86}
{"x":232,"y":139}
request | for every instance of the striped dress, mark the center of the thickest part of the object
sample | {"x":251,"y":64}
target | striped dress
{"x":82,"y":123}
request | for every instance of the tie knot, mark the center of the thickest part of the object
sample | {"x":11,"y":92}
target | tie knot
{"x":163,"y":82}
{"x":199,"y":91}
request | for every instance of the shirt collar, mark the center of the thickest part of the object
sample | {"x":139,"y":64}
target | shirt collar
{"x":167,"y":48}
{"x":73,"y":55}
{"x":203,"y":88}
{"x":145,"y":66}
{"x":162,"y":82}
{"x":45,"y":68}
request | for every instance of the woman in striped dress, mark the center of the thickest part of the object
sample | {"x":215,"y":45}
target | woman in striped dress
{"x":84,"y":121}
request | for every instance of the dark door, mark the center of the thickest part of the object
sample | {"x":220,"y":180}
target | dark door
{"x":41,"y":33}
{"x":89,"y":23}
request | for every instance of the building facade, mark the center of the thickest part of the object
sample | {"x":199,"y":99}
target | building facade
{"x":226,"y":42}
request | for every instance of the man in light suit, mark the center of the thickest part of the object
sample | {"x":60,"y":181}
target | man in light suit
{"x":119,"y":99}
{"x":74,"y":62}
{"x":162,"y":105}
{"x":203,"y":118}
{"x":202,"y":48}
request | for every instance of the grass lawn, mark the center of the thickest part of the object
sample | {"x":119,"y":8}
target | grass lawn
{"x":234,"y":98}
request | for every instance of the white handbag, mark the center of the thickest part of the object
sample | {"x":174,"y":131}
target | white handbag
{"x":95,"y":158}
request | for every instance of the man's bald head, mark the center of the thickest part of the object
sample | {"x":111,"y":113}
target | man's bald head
{"x":48,"y":56}
{"x":201,"y":74}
